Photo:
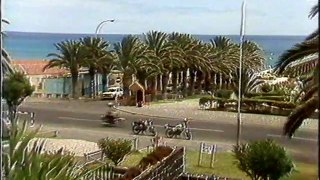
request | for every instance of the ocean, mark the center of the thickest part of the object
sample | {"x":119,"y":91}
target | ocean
{"x":36,"y":46}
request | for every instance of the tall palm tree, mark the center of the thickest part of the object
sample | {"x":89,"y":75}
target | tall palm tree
{"x":223,"y":55}
{"x":95,"y":50}
{"x":310,"y":101}
{"x":166,"y":56}
{"x":70,"y":57}
{"x":131,"y":56}
{"x":104,"y":66}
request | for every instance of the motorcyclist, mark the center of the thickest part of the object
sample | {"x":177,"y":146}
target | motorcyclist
{"x":111,"y":113}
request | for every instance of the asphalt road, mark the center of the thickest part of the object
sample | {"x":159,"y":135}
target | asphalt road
{"x":303,"y":146}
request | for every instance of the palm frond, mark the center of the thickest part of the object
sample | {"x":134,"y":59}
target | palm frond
{"x":299,"y":51}
{"x":314,"y":11}
{"x":302,"y":112}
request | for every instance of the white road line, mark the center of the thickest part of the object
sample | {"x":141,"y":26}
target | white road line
{"x":78,"y":119}
{"x":199,"y":129}
{"x":298,"y":138}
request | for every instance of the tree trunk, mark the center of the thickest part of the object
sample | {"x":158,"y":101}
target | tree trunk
{"x":126,"y":83}
{"x":184,"y":83}
{"x":192,"y":77}
{"x":165,"y":79}
{"x":174,"y":80}
{"x":207,"y":82}
{"x":199,"y":79}
{"x":92,"y":84}
{"x":74,"y":80}
{"x":154,"y":88}
{"x":12,"y":109}
{"x":159,"y":82}
{"x":104,"y":81}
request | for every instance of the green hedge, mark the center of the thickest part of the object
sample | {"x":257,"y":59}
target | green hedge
{"x":275,"y":98}
{"x":252,"y":102}
{"x":223,"y":93}
{"x":272,"y":93}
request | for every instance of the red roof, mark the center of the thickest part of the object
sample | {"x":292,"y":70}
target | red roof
{"x":35,"y":67}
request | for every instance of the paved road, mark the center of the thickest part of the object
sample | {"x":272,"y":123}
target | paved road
{"x":303,"y":146}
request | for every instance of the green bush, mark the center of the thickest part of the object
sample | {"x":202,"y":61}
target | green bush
{"x":205,"y":100}
{"x":115,"y":149}
{"x":255,"y":102}
{"x":223,"y":93}
{"x":157,"y":155}
{"x":266,"y":87}
{"x":263,"y":160}
{"x":275,"y":98}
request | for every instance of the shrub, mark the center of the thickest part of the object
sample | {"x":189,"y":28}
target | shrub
{"x":204,"y":101}
{"x":115,"y":149}
{"x":263,"y":160}
{"x":131,"y":173}
{"x":223,"y":93}
{"x":266,"y":87}
{"x":275,"y":98}
{"x":157,"y":155}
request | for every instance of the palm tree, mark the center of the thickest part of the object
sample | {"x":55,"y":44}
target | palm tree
{"x":25,"y":160}
{"x":104,"y":66}
{"x":250,"y":81}
{"x":5,"y":58}
{"x":70,"y":57}
{"x":131,"y":56}
{"x":166,"y":57}
{"x":223,"y":55}
{"x":96,"y":53}
{"x":310,"y":101}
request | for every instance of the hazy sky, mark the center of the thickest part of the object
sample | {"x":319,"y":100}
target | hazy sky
{"x":220,"y":17}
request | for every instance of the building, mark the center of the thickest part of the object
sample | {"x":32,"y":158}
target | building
{"x":33,"y":69}
{"x":56,"y":82}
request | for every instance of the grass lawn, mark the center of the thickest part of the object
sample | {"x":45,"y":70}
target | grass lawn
{"x":224,"y":166}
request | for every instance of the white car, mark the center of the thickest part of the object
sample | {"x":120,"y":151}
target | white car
{"x":112,"y":92}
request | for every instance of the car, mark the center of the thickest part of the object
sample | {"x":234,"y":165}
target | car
{"x":112,"y":92}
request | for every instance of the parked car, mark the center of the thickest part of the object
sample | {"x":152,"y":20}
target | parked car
{"x":112,"y":92}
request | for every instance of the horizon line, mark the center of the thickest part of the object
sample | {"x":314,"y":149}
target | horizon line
{"x":149,"y":31}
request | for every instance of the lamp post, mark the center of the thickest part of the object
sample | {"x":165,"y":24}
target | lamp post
{"x":100,"y":25}
{"x":242,"y":32}
{"x":98,"y":28}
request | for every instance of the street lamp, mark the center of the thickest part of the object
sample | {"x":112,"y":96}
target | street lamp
{"x":98,"y":28}
{"x":100,"y":25}
{"x":242,"y":32}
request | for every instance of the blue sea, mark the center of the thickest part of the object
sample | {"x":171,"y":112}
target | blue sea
{"x":36,"y":46}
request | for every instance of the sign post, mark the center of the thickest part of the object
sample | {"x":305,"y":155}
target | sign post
{"x":207,"y":149}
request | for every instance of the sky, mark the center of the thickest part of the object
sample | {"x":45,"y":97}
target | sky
{"x":218,"y":17}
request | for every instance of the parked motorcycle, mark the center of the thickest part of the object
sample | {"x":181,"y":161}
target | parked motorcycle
{"x":111,"y":117}
{"x":179,"y":129}
{"x":143,"y":127}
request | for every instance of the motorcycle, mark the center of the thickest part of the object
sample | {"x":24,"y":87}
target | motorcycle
{"x":143,"y":126}
{"x":111,"y":117}
{"x":178,"y":130}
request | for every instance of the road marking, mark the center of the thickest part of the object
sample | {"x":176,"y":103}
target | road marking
{"x":199,"y":129}
{"x":298,"y":138}
{"x":78,"y":119}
